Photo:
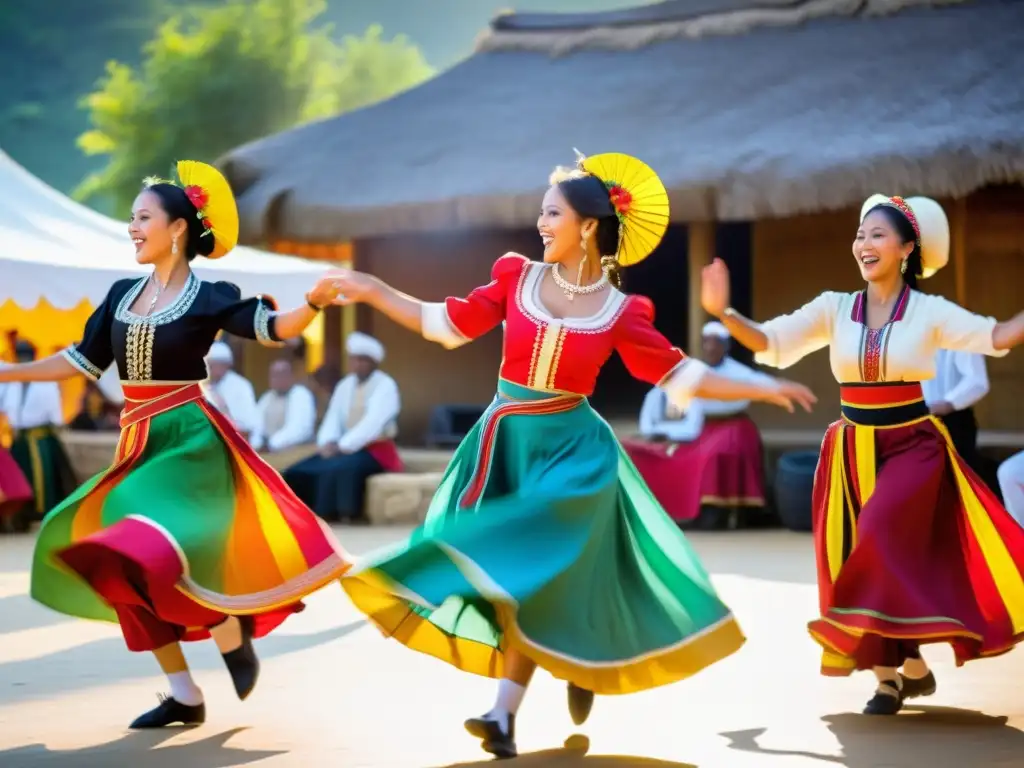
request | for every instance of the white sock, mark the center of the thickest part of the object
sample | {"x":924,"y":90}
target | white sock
{"x":510,"y":696}
{"x":184,"y":689}
{"x":227,"y":635}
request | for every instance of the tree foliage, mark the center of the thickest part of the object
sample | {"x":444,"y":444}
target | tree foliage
{"x":215,"y":78}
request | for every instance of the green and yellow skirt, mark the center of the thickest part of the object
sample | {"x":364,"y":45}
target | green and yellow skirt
{"x":543,"y":538}
{"x":188,"y":525}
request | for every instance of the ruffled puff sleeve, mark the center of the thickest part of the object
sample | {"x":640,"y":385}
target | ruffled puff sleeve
{"x":650,"y":357}
{"x":794,"y":336}
{"x":457,"y":321}
{"x":95,"y":352}
{"x":252,"y":318}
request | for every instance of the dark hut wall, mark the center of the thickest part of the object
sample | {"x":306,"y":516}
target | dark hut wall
{"x":798,"y":257}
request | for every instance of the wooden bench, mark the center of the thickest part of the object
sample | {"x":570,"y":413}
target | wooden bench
{"x":400,"y":498}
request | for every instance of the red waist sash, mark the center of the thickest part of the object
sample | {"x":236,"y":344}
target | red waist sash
{"x":143,"y":402}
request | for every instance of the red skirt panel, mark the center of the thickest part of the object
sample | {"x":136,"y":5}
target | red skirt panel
{"x":723,"y":467}
{"x":15,"y":490}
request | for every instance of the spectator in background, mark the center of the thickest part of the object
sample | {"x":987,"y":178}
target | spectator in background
{"x":34,"y":411}
{"x":230,"y":392}
{"x":285,"y":414}
{"x":356,"y":438}
{"x":708,"y":458}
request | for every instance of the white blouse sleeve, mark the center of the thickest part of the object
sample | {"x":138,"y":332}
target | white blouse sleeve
{"x":794,"y":336}
{"x":960,"y":330}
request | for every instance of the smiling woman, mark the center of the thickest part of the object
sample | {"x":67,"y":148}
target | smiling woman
{"x":189,"y":534}
{"x":540,"y":496}
{"x":888,"y":240}
{"x":911,"y":546}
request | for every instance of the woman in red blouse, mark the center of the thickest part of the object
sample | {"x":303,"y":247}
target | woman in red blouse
{"x":543,"y":546}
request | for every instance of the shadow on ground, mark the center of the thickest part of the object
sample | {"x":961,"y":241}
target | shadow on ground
{"x":575,"y":755}
{"x":140,"y":748}
{"x":89,"y":664}
{"x":939,"y":737}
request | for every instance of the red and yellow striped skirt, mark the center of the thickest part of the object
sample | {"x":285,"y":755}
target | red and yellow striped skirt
{"x":911,"y":546}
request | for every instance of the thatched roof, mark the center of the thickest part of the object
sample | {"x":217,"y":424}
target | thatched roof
{"x":746,"y":108}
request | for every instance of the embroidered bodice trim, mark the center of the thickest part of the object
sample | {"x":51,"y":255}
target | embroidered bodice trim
{"x":874,"y":342}
{"x":173,"y":311}
{"x":530,"y":305}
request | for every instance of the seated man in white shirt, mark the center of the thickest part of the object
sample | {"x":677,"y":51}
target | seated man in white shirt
{"x":961,"y":380}
{"x":1011,"y":485}
{"x":356,"y":438}
{"x":230,"y":392}
{"x":35,"y":411}
{"x":709,"y":456}
{"x":286,"y":414}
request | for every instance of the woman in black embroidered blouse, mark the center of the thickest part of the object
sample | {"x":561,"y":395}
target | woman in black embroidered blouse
{"x":189,"y":533}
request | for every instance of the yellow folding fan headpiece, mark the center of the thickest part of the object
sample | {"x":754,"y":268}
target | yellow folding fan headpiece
{"x":639,"y":199}
{"x":211,"y":194}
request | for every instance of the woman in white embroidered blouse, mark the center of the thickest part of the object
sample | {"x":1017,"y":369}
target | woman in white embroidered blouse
{"x":888,"y":470}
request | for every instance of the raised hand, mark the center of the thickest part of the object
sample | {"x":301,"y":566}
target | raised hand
{"x":714,"y":288}
{"x":789,"y":393}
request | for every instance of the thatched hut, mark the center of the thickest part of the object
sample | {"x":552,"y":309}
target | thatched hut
{"x":769,"y":120}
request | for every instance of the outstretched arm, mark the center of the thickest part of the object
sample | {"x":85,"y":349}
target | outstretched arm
{"x":1009,"y":333}
{"x":258,"y":317}
{"x":649,"y":356}
{"x":965,"y":331}
{"x":779,"y":343}
{"x":52,"y":368}
{"x":404,"y":309}
{"x":452,"y":322}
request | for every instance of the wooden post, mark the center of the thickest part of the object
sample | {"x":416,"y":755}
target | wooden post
{"x":959,"y":248}
{"x":700,"y":252}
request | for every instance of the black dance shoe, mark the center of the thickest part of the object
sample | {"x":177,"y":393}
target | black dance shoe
{"x":169,"y":712}
{"x":493,"y":739}
{"x":888,"y":699}
{"x":914,"y":688}
{"x":242,"y":663}
{"x":581,"y":701}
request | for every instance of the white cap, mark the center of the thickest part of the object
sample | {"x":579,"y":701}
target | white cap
{"x":717,"y":330}
{"x":364,"y":346}
{"x":220,"y":353}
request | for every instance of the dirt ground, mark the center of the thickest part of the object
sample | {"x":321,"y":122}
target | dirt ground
{"x":334,"y":693}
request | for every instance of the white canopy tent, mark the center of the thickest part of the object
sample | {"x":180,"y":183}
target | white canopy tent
{"x":55,"y":249}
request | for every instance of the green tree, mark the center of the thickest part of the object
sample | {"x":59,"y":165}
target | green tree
{"x":215,"y":78}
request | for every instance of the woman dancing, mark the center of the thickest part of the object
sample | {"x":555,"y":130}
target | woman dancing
{"x":189,"y":533}
{"x":911,"y":546}
{"x":543,"y":546}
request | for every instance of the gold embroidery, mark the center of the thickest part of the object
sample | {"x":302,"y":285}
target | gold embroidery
{"x":546,"y":358}
{"x":537,"y":337}
{"x":556,"y":357}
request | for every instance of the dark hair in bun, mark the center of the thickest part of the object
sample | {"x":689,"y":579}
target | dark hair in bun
{"x":176,"y":205}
